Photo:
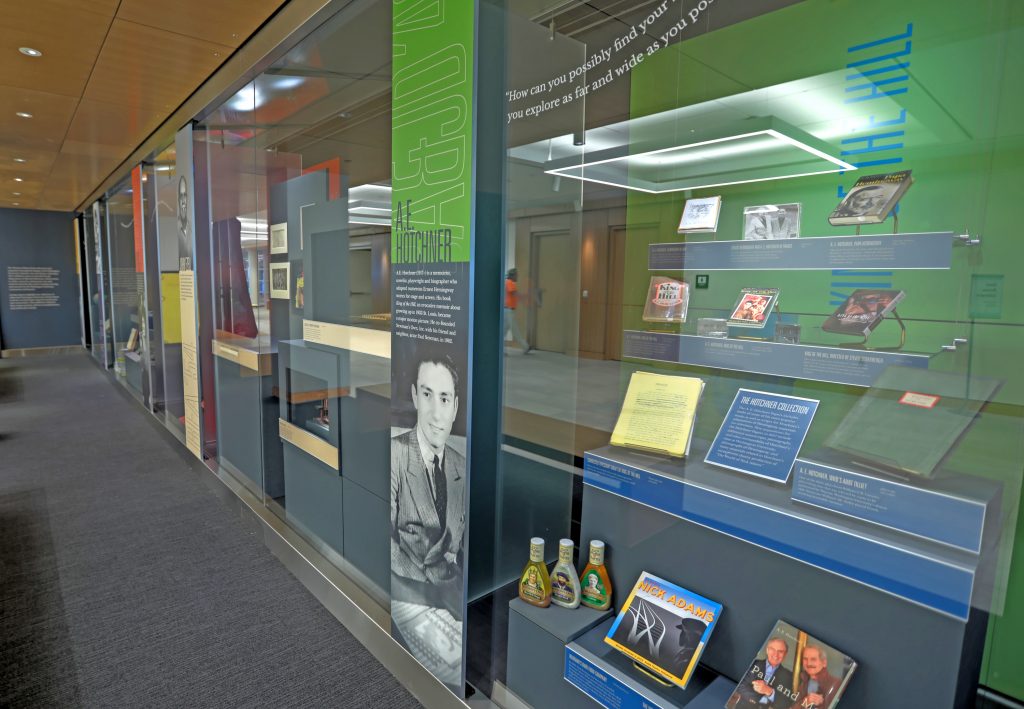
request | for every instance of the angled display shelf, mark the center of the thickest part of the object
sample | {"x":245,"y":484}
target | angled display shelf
{"x":918,"y":570}
{"x":889,"y":252}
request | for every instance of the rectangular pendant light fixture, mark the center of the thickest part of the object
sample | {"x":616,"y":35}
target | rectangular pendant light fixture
{"x":690,"y":158}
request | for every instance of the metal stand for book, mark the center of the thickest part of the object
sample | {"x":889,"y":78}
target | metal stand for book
{"x":863,"y":344}
{"x":895,"y":223}
{"x":660,"y":680}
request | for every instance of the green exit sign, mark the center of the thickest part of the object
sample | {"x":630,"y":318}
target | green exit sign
{"x":702,"y":280}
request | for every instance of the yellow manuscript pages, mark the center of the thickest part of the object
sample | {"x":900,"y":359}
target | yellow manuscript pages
{"x":658,"y":413}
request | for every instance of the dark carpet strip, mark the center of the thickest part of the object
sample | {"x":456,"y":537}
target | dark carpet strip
{"x":124,"y":581}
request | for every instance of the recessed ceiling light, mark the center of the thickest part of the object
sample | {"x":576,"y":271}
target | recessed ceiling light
{"x":16,"y":194}
{"x":19,"y":159}
{"x":30,"y":52}
{"x":23,"y":114}
{"x":18,"y":179}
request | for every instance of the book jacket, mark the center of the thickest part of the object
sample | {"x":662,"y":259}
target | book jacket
{"x":753,"y":307}
{"x":664,"y":628}
{"x":871,"y":199}
{"x":863,"y":311}
{"x":667,"y":300}
{"x":793,"y":669}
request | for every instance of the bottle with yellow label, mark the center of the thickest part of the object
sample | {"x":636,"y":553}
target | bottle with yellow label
{"x":565,"y":584}
{"x":597,"y":587}
{"x":534,"y":583}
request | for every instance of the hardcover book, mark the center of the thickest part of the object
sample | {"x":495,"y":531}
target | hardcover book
{"x":863,"y":311}
{"x":871,"y":199}
{"x":910,"y":419}
{"x":753,"y":307}
{"x":700,"y":215}
{"x":658,"y":413}
{"x":133,"y":340}
{"x":664,"y":628}
{"x":771,"y":221}
{"x":667,"y":300}
{"x":793,"y":669}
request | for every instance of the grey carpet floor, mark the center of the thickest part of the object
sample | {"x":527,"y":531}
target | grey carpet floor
{"x":124,"y":581}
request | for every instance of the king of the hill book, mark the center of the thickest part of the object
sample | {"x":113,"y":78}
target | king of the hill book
{"x":658,"y":413}
{"x":753,"y":307}
{"x":664,"y":628}
{"x":793,"y":669}
{"x":909,"y":419}
{"x":667,"y":300}
{"x":863,"y":311}
{"x":871,"y":199}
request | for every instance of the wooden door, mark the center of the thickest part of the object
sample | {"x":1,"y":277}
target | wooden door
{"x":616,"y":273}
{"x":554,"y":262}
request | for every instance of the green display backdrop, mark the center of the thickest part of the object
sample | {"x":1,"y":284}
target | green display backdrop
{"x":913,"y":85}
{"x":432,"y":208}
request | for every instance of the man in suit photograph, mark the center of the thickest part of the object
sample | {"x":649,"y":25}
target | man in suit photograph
{"x":767,"y":683}
{"x":428,"y":485}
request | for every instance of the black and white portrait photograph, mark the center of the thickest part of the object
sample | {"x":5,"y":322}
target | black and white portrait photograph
{"x":428,"y":509}
{"x":771,"y":221}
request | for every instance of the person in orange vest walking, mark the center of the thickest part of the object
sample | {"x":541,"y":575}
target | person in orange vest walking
{"x":511,"y":301}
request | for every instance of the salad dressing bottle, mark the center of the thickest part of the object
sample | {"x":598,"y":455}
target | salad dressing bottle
{"x":597,"y":587}
{"x":565,"y":584}
{"x":534,"y":583}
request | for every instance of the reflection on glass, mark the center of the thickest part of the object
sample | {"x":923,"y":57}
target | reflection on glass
{"x":688,"y":109}
{"x":298,"y":164}
{"x":166,"y":194}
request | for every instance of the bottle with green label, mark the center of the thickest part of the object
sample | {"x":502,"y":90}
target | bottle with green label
{"x":597,"y":587}
{"x":565,"y":584}
{"x":534,"y":583}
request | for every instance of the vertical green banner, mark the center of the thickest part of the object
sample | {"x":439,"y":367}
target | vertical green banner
{"x":432,"y":207}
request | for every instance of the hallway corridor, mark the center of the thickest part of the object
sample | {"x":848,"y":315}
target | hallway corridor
{"x":125,"y":581}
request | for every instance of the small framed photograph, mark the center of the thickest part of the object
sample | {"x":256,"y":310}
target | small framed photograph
{"x":279,"y":238}
{"x":280,"y":273}
{"x":771,"y":221}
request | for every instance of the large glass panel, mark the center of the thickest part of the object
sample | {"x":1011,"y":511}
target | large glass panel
{"x":716,"y":260}
{"x":298,"y":165}
{"x":165,"y":187}
{"x":93,"y":270}
{"x":153,"y":342}
{"x":103,"y":333}
{"x":128,"y":295}
{"x":239,"y":310}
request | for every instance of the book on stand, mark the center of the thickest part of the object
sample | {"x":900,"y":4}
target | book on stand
{"x":862,"y":311}
{"x":871,"y":199}
{"x":700,"y":214}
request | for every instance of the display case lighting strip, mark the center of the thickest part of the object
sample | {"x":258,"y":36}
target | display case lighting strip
{"x":840,"y":165}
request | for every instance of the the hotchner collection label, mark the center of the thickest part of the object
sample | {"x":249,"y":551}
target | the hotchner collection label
{"x":432,"y":186}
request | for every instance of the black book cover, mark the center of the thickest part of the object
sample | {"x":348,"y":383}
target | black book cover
{"x":871,"y":199}
{"x":863,"y":311}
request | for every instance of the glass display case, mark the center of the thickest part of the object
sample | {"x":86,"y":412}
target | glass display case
{"x":94,"y":291}
{"x":766,"y":357}
{"x":297,"y":166}
{"x":99,"y":284}
{"x":723,"y":287}
{"x":129,"y":325}
{"x":165,"y":238}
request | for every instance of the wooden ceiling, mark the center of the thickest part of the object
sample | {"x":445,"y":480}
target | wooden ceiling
{"x":110,"y":73}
